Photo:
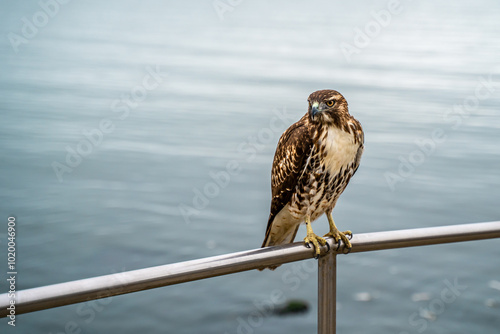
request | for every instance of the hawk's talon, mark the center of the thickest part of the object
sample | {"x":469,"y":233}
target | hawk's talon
{"x":328,"y":245}
{"x":348,"y":250}
{"x":307,"y":245}
{"x":338,"y":236}
{"x":316,"y":241}
{"x":347,"y":247}
{"x":338,"y":245}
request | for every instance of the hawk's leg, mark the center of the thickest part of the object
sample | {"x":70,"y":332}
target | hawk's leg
{"x":337,"y":235}
{"x":313,"y":238}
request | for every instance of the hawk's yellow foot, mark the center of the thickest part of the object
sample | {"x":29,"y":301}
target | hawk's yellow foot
{"x":312,"y":238}
{"x":337,"y":235}
{"x":316,"y":241}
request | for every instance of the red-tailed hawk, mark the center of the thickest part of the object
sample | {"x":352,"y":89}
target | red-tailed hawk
{"x":314,"y":161}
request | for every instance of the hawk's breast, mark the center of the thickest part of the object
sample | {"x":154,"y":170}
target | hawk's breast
{"x":340,"y":149}
{"x":329,"y":169}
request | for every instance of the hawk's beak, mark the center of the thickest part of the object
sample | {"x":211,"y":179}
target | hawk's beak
{"x":314,"y":109}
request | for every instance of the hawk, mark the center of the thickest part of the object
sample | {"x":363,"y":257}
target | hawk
{"x":314,"y":161}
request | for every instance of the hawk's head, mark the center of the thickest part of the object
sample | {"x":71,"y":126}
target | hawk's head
{"x":327,"y":106}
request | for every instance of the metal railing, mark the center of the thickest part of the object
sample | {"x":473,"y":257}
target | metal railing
{"x":56,"y":295}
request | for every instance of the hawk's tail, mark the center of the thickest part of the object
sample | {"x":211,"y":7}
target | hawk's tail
{"x":282,"y":237}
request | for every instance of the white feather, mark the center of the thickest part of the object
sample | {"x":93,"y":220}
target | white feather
{"x":341,"y":149}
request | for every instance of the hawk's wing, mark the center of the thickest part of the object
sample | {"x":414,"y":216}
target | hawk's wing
{"x":294,"y":147}
{"x":359,"y":137}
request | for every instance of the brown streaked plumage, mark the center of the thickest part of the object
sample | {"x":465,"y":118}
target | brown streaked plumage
{"x":314,"y":161}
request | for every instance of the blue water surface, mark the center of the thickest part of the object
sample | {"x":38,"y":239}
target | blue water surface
{"x":117,"y":115}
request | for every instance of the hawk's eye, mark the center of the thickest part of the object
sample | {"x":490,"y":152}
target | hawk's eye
{"x":330,"y":103}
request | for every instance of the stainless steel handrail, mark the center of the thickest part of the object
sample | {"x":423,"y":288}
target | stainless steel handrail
{"x":55,"y":295}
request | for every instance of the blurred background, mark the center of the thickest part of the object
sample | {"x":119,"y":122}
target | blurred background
{"x":120,"y":121}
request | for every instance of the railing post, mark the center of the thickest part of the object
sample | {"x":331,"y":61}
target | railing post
{"x":327,"y":293}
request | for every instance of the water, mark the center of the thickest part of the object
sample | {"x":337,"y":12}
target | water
{"x":216,"y":101}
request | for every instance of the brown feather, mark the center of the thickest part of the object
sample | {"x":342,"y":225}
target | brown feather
{"x":294,"y":147}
